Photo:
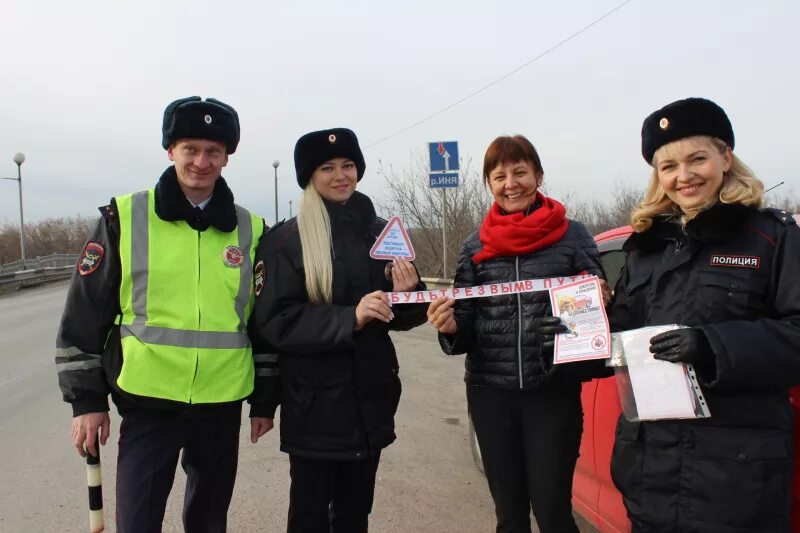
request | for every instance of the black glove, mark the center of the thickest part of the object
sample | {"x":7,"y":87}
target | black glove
{"x":687,"y":345}
{"x":546,"y":328}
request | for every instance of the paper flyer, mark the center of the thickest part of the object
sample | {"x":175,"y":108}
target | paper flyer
{"x":580,"y":307}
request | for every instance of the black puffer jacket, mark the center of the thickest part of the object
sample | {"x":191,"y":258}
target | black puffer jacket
{"x":339,"y":388}
{"x":734,"y":273}
{"x":497,"y":332}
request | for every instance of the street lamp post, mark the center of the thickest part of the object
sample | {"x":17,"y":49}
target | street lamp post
{"x":275,"y":166}
{"x":290,"y":209}
{"x":19,"y":158}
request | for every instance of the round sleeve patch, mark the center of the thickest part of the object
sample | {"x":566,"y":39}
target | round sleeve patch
{"x":91,"y":257}
{"x":259,"y":276}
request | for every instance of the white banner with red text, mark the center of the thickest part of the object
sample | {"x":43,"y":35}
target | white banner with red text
{"x":483,"y":291}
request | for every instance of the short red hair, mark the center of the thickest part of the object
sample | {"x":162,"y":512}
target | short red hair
{"x":510,"y":149}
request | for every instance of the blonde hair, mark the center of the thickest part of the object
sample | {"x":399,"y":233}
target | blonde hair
{"x":739,"y":186}
{"x":314,"y":224}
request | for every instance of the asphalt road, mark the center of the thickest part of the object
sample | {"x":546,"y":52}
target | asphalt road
{"x":427,"y":481}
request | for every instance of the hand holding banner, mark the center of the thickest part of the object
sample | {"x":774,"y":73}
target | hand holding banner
{"x":577,"y":300}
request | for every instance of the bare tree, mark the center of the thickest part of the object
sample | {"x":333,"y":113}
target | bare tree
{"x":45,"y":237}
{"x":787,"y":202}
{"x":599,"y":216}
{"x":410,"y":196}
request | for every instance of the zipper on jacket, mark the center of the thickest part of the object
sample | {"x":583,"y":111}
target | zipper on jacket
{"x":519,"y":326}
{"x":680,"y":240}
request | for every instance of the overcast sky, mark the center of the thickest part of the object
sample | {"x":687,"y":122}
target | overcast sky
{"x":84,"y":85}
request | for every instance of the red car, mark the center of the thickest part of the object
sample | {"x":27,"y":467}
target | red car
{"x":582,"y":302}
{"x":594,"y":496}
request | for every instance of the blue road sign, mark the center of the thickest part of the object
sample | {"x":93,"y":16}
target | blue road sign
{"x":444,"y":156}
{"x":445,"y":180}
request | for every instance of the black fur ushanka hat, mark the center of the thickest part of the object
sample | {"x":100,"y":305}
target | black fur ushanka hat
{"x":195,"y":118}
{"x":313,"y":149}
{"x":681,"y":119}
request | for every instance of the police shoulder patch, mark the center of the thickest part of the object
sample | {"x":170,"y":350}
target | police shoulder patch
{"x":259,"y":277}
{"x":91,"y":257}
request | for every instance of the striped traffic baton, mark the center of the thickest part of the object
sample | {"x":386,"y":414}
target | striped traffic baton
{"x":94,"y":478}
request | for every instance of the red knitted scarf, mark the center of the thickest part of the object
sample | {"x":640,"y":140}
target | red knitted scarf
{"x":510,"y":235}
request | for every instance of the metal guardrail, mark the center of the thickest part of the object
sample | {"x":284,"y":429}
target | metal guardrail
{"x":54,"y":260}
{"x":37,"y":273}
{"x":40,"y":270}
{"x":31,"y":278}
{"x":437,"y":282}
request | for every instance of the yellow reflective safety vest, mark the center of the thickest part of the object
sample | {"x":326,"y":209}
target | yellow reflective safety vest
{"x":185,"y":297}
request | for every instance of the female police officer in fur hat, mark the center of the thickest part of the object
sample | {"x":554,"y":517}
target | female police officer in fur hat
{"x":705,"y":254}
{"x":321,"y":309}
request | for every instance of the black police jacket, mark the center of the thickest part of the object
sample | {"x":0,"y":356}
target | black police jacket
{"x":497,"y":332}
{"x":339,"y":388}
{"x":734,"y":273}
{"x":88,"y":350}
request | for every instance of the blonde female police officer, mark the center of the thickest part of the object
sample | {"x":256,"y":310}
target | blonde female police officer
{"x":320,"y":305}
{"x":156,"y":315}
{"x":706,"y":255}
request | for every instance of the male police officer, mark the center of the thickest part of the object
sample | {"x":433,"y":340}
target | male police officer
{"x":157,"y":315}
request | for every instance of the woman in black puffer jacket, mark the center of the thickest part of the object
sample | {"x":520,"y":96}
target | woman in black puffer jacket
{"x":526,"y":411}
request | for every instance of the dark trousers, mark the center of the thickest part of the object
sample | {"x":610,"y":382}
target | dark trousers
{"x":149,"y":445}
{"x":529,"y":441}
{"x":331,"y":496}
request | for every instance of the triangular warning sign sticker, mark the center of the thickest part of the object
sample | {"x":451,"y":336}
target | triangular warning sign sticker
{"x":393,"y":242}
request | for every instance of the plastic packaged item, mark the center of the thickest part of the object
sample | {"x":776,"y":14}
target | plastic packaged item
{"x":650,"y":389}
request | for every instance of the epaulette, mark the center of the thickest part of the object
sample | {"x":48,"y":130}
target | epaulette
{"x":786,"y":218}
{"x":108,"y":212}
{"x":283,"y":233}
{"x":274,"y":227}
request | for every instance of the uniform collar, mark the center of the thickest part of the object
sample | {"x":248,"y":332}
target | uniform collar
{"x":715,"y":224}
{"x":172,"y":205}
{"x":201,"y":205}
{"x":358,"y":209}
